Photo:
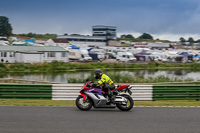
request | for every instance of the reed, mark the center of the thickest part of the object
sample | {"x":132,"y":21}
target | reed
{"x":61,"y":66}
{"x":117,"y":78}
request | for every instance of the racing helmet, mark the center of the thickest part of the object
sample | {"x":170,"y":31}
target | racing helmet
{"x":97,"y":73}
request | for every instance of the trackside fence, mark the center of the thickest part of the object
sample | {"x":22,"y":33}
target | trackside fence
{"x":176,"y":92}
{"x":25,"y":91}
{"x":71,"y":91}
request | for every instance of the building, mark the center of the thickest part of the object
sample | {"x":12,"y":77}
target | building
{"x":61,"y":42}
{"x":32,"y":54}
{"x":101,"y":35}
{"x":84,"y":41}
{"x":109,"y":32}
{"x":151,"y":45}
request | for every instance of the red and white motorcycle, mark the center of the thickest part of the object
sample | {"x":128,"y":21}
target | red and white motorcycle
{"x":95,"y":97}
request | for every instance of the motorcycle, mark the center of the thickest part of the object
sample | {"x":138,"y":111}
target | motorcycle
{"x":95,"y":97}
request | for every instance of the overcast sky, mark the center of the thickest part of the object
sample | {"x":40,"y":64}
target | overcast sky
{"x":163,"y":19}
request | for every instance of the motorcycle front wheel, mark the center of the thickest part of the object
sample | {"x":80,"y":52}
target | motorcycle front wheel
{"x":126,"y":106}
{"x":83,"y":104}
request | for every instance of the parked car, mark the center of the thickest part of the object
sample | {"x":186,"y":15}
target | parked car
{"x":125,"y":57}
{"x":100,"y":53}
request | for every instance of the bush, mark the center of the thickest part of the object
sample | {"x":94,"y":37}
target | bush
{"x":118,"y":78}
{"x":61,"y":66}
{"x":2,"y":65}
{"x":18,"y":67}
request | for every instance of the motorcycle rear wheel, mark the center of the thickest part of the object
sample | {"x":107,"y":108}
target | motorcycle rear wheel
{"x":83,"y":104}
{"x":129,"y":104}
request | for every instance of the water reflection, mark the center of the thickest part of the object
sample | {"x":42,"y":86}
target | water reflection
{"x":63,"y":77}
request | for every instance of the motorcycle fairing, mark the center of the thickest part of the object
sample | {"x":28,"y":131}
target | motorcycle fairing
{"x":95,"y":91}
{"x":120,"y":87}
{"x":91,"y":90}
{"x":99,"y":101}
{"x":84,"y":96}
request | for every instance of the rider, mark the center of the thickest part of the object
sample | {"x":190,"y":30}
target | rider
{"x":108,"y":83}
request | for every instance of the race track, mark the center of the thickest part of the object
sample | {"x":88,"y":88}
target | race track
{"x":36,"y":119}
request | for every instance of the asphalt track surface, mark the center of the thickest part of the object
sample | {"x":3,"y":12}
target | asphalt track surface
{"x":36,"y":119}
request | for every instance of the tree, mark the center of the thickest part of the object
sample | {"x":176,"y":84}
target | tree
{"x":123,"y":36}
{"x":198,"y":41}
{"x":182,"y":39}
{"x":127,"y":36}
{"x":30,"y":34}
{"x":145,"y":36}
{"x":190,"y":39}
{"x":5,"y":27}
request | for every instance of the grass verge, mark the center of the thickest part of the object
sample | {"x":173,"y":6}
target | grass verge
{"x":20,"y":102}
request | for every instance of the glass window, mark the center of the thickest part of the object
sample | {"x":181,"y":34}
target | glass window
{"x":91,"y":40}
{"x":51,"y":54}
{"x":63,"y":54}
{"x":82,"y":40}
{"x":12,"y":54}
{"x":3,"y":54}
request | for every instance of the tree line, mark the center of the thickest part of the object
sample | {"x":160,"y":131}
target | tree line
{"x":38,"y":36}
{"x":190,"y":40}
{"x":150,"y":37}
{"x":143,"y":36}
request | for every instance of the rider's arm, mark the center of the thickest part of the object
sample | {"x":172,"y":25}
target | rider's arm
{"x":101,"y":81}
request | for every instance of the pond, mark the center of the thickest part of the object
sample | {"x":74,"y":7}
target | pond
{"x":64,"y":77}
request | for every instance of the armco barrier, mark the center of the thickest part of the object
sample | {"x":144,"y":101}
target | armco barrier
{"x":25,"y":91}
{"x":176,"y":92}
{"x":71,"y":91}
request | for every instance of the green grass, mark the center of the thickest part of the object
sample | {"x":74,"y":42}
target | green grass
{"x":23,"y":102}
{"x":168,"y":103}
{"x":20,"y":102}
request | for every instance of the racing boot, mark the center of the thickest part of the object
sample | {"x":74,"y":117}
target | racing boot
{"x":115,"y":92}
{"x":111,"y":99}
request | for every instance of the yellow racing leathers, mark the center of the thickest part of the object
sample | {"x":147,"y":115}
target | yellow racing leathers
{"x":108,"y":85}
{"x":105,"y":80}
